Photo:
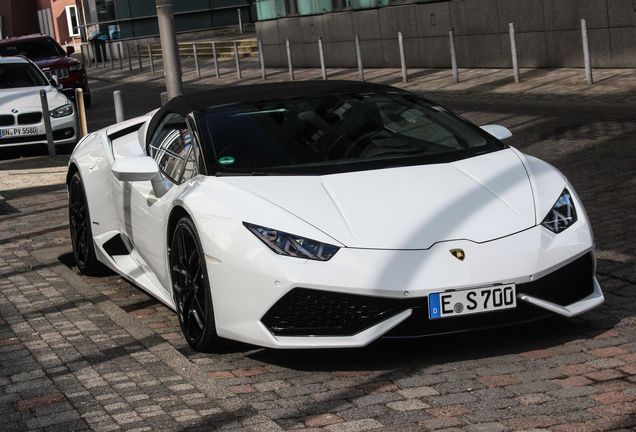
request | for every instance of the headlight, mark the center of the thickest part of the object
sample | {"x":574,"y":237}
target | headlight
{"x":562,"y":215}
{"x":77,"y":67}
{"x":63,"y":111}
{"x":292,"y":245}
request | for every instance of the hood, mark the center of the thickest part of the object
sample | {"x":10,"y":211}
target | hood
{"x":478,"y":199}
{"x":55,"y":62}
{"x":28,"y":99}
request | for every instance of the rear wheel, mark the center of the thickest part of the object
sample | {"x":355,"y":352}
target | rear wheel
{"x":191,"y":288}
{"x":80,"y":226}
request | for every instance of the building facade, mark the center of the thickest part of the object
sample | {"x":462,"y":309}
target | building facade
{"x":548,"y":32}
{"x":56,"y":18}
{"x":137,"y":19}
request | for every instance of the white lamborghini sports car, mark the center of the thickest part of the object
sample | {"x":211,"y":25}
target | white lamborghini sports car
{"x":328,"y":214}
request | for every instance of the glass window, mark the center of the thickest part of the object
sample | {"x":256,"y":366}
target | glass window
{"x":312,"y":7}
{"x":34,"y":49}
{"x":15,"y":75}
{"x":367,"y":4}
{"x":173,"y":150}
{"x":105,"y":10}
{"x":270,"y":9}
{"x":72,"y":21}
{"x":338,"y":133}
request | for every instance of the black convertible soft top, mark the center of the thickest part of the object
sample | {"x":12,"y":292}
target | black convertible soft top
{"x":183,"y":105}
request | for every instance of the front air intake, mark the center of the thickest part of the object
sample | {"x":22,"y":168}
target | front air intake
{"x":305,"y":312}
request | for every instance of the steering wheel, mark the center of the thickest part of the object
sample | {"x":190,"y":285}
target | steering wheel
{"x":361,"y":139}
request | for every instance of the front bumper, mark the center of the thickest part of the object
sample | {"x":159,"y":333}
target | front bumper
{"x":64,"y":132}
{"x":569,"y":291}
{"x":361,"y":295}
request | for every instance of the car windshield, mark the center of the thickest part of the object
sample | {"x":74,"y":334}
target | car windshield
{"x":337,"y":133}
{"x":14,"y":75}
{"x":33,"y":49}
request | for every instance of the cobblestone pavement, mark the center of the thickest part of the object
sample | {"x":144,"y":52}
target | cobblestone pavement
{"x":95,"y":353}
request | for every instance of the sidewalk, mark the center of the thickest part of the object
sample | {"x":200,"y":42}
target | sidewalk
{"x":70,"y":359}
{"x":95,"y":353}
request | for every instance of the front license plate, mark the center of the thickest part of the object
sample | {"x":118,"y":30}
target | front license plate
{"x":466,"y":302}
{"x":18,"y":131}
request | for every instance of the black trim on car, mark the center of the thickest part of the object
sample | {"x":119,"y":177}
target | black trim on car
{"x":123,"y":132}
{"x":310,"y":312}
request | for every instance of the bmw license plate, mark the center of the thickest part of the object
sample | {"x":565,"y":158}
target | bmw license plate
{"x":466,"y":302}
{"x":18,"y":131}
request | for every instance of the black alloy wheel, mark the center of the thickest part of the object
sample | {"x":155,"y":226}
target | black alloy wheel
{"x":80,"y":226}
{"x":191,"y":288}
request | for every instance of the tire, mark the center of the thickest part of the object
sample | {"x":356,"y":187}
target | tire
{"x":80,"y":226}
{"x":87,"y":100}
{"x":191,"y":288}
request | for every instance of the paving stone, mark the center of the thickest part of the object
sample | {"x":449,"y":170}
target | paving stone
{"x":378,"y":398}
{"x":322,"y":420}
{"x":354,"y":426}
{"x":532,"y":387}
{"x":450,"y":399}
{"x":487,"y":427}
{"x":61,"y":356}
{"x":498,"y":380}
{"x":488,"y":416}
{"x":371,"y":411}
{"x":539,"y":375}
{"x":532,"y":422}
{"x":458,"y":386}
{"x":405,"y":417}
{"x":575,"y":392}
{"x":606,"y":363}
{"x":300,"y":390}
{"x":419,"y":381}
{"x":442,"y":423}
{"x":572,"y":404}
{"x":327,"y":407}
{"x":417,"y":392}
{"x":573,"y":381}
{"x":408,"y":405}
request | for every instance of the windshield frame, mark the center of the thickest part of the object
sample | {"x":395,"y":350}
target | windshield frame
{"x":28,"y":46}
{"x":28,"y":71}
{"x":212,"y":159}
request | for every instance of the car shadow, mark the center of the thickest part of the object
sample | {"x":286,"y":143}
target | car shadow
{"x":403,"y":354}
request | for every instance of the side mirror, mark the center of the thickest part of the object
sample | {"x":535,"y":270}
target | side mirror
{"x":70,"y":50}
{"x":141,"y":168}
{"x":55,"y":81}
{"x":499,"y":132}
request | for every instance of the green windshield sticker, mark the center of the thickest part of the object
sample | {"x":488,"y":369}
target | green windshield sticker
{"x":226,"y":160}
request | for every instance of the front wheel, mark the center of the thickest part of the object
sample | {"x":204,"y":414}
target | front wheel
{"x":191,"y":288}
{"x":80,"y":225}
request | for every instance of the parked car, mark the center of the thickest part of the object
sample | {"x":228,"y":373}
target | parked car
{"x":328,"y":214}
{"x":52,"y":59}
{"x":21,"y":120}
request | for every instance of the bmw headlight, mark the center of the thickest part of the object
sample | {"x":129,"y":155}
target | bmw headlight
{"x":63,"y":111}
{"x":76,"y":67}
{"x":562,"y":214}
{"x":292,"y":245}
